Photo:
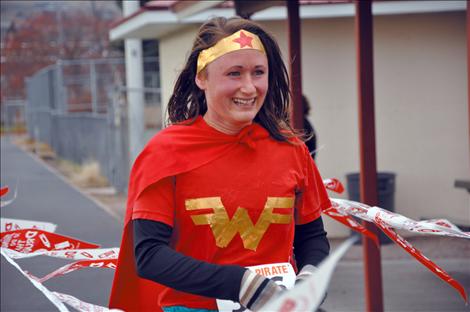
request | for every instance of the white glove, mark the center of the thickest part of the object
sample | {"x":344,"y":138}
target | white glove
{"x":256,"y":290}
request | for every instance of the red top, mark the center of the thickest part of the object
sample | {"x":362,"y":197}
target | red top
{"x":233,"y":200}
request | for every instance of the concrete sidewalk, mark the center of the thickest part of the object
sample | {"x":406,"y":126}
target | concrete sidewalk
{"x":44,"y":196}
{"x":407,"y":286}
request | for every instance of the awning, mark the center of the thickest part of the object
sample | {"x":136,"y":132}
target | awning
{"x":159,"y":18}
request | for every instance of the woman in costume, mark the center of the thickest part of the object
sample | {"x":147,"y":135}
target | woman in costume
{"x":226,"y":186}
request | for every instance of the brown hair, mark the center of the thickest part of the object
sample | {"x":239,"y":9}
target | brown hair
{"x":188,"y":101}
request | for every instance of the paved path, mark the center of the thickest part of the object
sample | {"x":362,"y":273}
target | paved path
{"x":43,"y":196}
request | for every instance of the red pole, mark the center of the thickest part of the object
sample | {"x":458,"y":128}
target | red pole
{"x":295,"y":63}
{"x":468,"y":69}
{"x":368,"y":177}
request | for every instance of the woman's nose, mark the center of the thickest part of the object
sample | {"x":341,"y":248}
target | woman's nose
{"x":247,"y":86}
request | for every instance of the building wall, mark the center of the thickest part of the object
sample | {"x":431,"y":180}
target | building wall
{"x":420,"y":97}
{"x":174,"y":50}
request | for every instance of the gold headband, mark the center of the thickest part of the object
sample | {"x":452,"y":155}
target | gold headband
{"x":242,"y":39}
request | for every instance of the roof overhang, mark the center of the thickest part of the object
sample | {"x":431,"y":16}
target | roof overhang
{"x":184,"y":9}
{"x":154,"y":24}
{"x":145,"y":25}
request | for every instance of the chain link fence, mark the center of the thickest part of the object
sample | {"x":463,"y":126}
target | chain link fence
{"x":13,"y":114}
{"x":79,"y":108}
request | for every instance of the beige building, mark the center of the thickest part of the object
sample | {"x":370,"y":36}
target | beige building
{"x":420,"y":92}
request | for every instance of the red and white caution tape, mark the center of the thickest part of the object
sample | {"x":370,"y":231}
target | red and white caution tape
{"x":308,"y":294}
{"x":71,"y":254}
{"x":25,"y":238}
{"x":107,"y":263}
{"x":387,"y":221}
{"x":58,"y":299}
{"x":394,"y":220}
{"x":334,"y":185}
{"x":49,"y":295}
{"x":86,"y":254}
{"x":81,"y":305}
{"x":442,"y":222}
{"x":31,"y":240}
{"x":403,"y":243}
{"x":8,"y":224}
{"x":350,"y":222}
{"x":3,"y":192}
{"x":344,"y":210}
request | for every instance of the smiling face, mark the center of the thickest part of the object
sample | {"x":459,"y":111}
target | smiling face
{"x":235,"y":87}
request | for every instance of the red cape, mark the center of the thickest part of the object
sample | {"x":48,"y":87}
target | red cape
{"x":175,"y":150}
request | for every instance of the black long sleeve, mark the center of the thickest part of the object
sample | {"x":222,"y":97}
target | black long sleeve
{"x":158,"y":262}
{"x":311,"y":245}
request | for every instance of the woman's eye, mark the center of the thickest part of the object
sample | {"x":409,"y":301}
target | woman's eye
{"x":259,"y":72}
{"x":234,"y":73}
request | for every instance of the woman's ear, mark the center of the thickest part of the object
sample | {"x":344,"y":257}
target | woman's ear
{"x":201,"y":80}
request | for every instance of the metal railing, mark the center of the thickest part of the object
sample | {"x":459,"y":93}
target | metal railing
{"x":79,"y":108}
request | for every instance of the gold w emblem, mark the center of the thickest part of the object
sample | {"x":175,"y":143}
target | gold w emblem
{"x":225,"y":229}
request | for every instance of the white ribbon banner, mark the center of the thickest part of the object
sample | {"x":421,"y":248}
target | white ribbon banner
{"x":82,"y":306}
{"x":8,"y":224}
{"x":440,"y":227}
{"x":71,"y":254}
{"x":49,"y":295}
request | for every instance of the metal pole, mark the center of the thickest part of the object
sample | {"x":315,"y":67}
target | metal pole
{"x":134,"y":79}
{"x":93,"y":87}
{"x":60,"y":30}
{"x":368,"y":176}
{"x":61,"y":91}
{"x":295,"y":63}
{"x":468,"y":70}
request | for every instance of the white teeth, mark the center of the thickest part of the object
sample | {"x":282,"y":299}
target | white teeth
{"x":244,"y":101}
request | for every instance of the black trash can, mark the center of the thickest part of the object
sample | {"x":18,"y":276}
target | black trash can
{"x":385,"y":192}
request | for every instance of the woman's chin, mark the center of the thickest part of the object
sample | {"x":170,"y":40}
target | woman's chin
{"x":244,"y":118}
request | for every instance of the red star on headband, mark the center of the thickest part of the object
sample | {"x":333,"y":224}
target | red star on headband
{"x":244,"y":40}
